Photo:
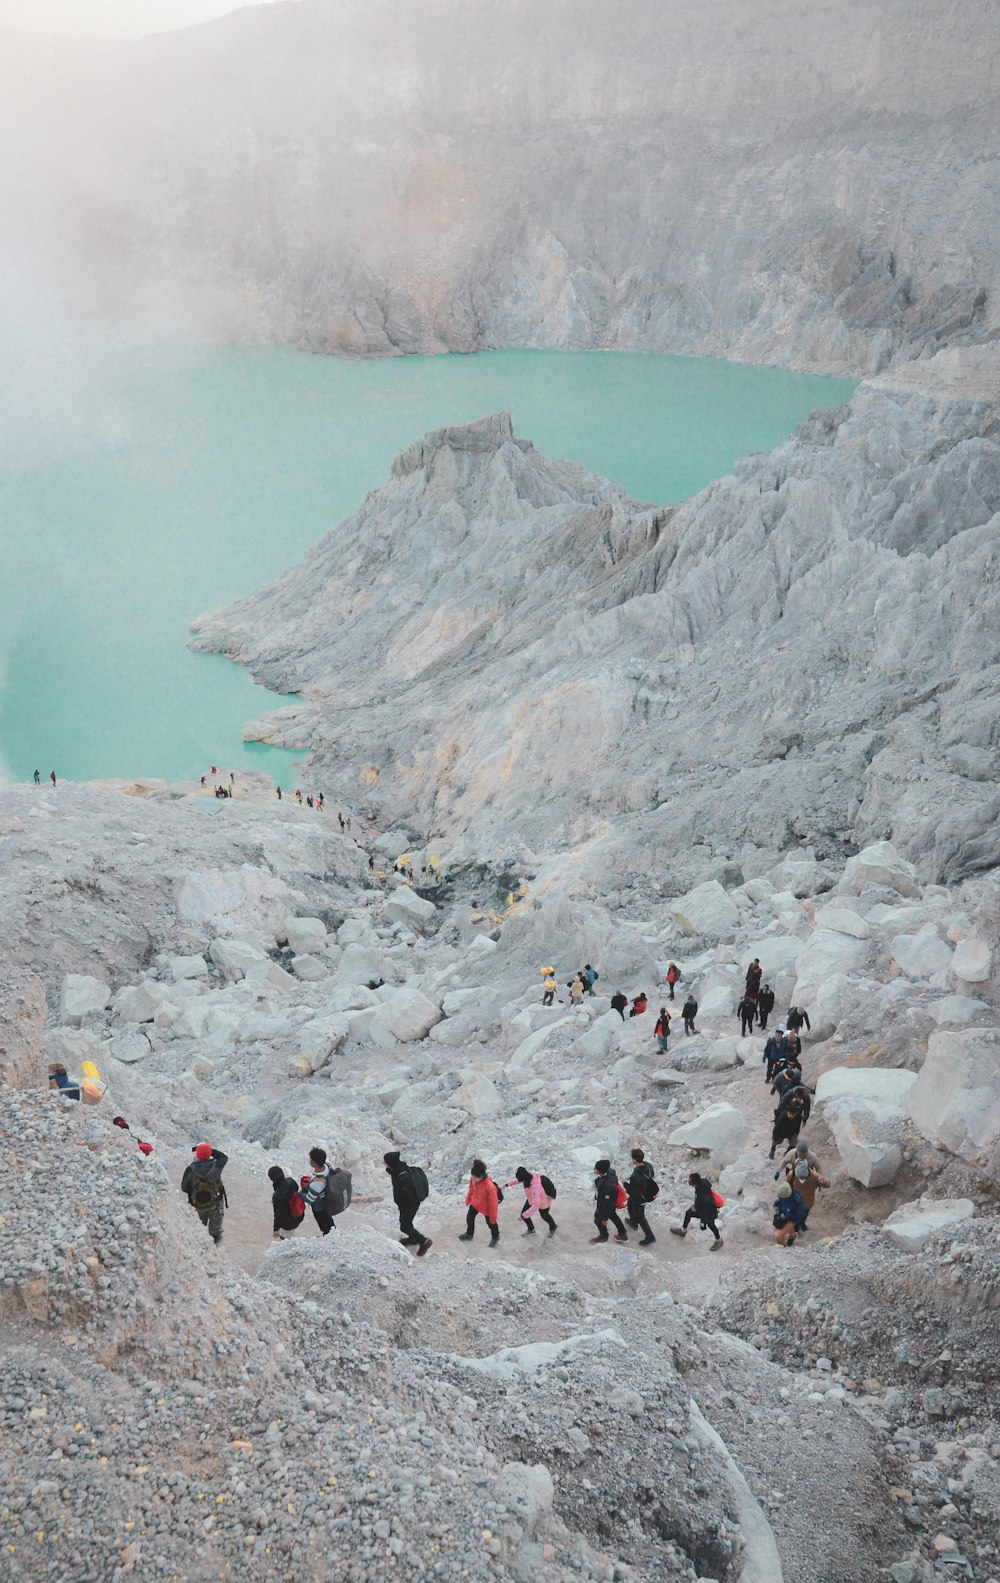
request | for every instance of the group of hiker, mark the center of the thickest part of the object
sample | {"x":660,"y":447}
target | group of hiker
{"x":38,"y":779}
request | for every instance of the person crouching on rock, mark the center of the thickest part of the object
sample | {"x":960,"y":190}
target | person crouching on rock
{"x":202,"y":1184}
{"x":407,"y":1201}
{"x":704,"y":1209}
{"x":639,"y":1004}
{"x":287,"y":1203}
{"x":609,"y":1199}
{"x":483,"y":1199}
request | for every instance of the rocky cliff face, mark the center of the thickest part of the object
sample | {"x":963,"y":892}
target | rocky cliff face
{"x":806,"y":653}
{"x":809,"y":185}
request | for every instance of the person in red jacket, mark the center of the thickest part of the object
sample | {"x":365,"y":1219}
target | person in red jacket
{"x":482,"y":1199}
{"x":673,"y":974}
{"x":639,"y":1004}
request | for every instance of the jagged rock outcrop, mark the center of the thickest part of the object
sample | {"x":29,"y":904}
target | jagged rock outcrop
{"x":792,"y":656}
{"x":797,"y":184}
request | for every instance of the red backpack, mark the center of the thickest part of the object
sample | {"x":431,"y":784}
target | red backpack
{"x":296,"y":1206}
{"x":622,"y":1197}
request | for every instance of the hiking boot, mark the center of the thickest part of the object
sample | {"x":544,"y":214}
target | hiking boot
{"x":600,"y":1239}
{"x":465,"y":1236}
{"x":423,"y":1247}
{"x":645,"y":1241}
{"x":529,"y":1231}
{"x":494,"y":1242}
{"x":678,"y":1231}
{"x":409,"y":1242}
{"x":716,"y":1245}
{"x":553,"y":1230}
{"x":621,"y":1236}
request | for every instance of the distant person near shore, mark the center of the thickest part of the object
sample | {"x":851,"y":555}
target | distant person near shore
{"x":52,"y":776}
{"x":38,"y":779}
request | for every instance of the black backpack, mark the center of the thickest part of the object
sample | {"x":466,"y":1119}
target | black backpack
{"x":418,"y":1176}
{"x":337,"y":1196}
{"x":650,"y":1190}
{"x":548,"y":1186}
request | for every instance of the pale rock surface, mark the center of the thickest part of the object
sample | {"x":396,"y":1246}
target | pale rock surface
{"x":182,"y":968}
{"x":911,"y":1226}
{"x":879,"y":864}
{"x":825,"y":954}
{"x":866,"y":1109}
{"x":303,"y":935}
{"x":972,"y":961}
{"x":922,"y":954}
{"x":81,"y":995}
{"x":843,"y":921}
{"x":236,"y":957}
{"x":141,"y":1002}
{"x":311,"y":969}
{"x":706,"y":910}
{"x":956,"y":1010}
{"x":601,"y":1035}
{"x":129,"y":1046}
{"x":22,"y":1030}
{"x":403,"y":906}
{"x":721,"y":1129}
{"x":408,"y":1014}
{"x":955,"y":1100}
{"x":477,"y":1096}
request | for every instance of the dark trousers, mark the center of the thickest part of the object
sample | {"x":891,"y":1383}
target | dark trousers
{"x":637,"y":1216}
{"x":323,"y":1221}
{"x":763,"y":1016}
{"x":709,"y":1224}
{"x":689,"y":1026}
{"x":407,"y":1227}
{"x":746,"y":1023}
{"x":670,"y":991}
{"x":616,"y":1221}
{"x":548,"y":997}
{"x":545,"y":1214}
{"x":470,"y":1223}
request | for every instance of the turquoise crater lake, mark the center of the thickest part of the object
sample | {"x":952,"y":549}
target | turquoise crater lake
{"x":183,"y":488}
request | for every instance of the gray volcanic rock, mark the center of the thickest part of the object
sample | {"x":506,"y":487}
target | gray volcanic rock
{"x":511,"y":649}
{"x":799,"y":184}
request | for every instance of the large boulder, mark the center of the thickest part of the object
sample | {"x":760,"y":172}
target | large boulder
{"x":141,"y":1002}
{"x":235,"y":957}
{"x":403,"y":906}
{"x":972,"y":961}
{"x":321,"y":1038}
{"x":923,"y":954}
{"x":304,"y":935}
{"x":600,"y":1036}
{"x":478,"y":1097}
{"x":825,"y":952}
{"x":79,"y":996}
{"x":721,"y":1129}
{"x":956,"y":1097}
{"x":130,"y":1046}
{"x":408,"y":1014}
{"x":310,"y":969}
{"x":956,"y":1010}
{"x":912,"y":1225}
{"x":775,"y":952}
{"x":707,"y":910}
{"x":182,"y":968}
{"x":867,"y":1109}
{"x":879,"y":864}
{"x":529,"y":1047}
{"x":360,"y":964}
{"x":841,"y":920}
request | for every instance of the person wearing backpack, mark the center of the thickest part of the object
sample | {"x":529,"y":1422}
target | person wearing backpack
{"x":610,"y":1196}
{"x":705,"y":1208}
{"x":689,"y":1012}
{"x":789,"y":1214}
{"x":409,"y":1188}
{"x":797,"y":1018}
{"x":641,"y":1190}
{"x":202,"y":1184}
{"x":327,"y":1191}
{"x":590,"y":977}
{"x":539,"y":1192}
{"x":673,"y":974}
{"x":483,"y":1198}
{"x":662,"y":1029}
{"x":287,"y":1203}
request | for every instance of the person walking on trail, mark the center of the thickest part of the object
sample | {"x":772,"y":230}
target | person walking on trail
{"x":689,"y":1012}
{"x":618,"y":1004}
{"x":797,"y":1018}
{"x":705,"y":1209}
{"x":610,"y":1196}
{"x":577,"y":990}
{"x":765,"y":1004}
{"x":549,"y":985}
{"x":793,"y":1046}
{"x":52,"y":776}
{"x":800,"y":1151}
{"x":38,"y":779}
{"x":538,"y":1196}
{"x":407,"y":1198}
{"x":746,"y":1011}
{"x":789,"y":1214}
{"x":641,"y":1189}
{"x":202,"y":1185}
{"x":287,"y":1204}
{"x":787,"y":1077}
{"x":662,"y":1029}
{"x":774,"y":1054}
{"x":639,"y":1004}
{"x":754,"y":976}
{"x":482,"y":1198}
{"x":327,"y":1190}
{"x":673,"y":974}
{"x":590,"y":977}
{"x":789,"y":1119}
{"x":804,"y":1178}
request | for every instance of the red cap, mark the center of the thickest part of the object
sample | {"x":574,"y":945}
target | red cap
{"x":203,"y":1151}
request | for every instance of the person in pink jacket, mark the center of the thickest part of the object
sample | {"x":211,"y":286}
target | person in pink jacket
{"x":536,"y":1200}
{"x":482,"y":1199}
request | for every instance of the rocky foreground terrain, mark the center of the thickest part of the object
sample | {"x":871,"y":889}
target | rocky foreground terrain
{"x":803,"y":184}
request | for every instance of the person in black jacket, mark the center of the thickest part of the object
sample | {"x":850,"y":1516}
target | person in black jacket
{"x":284,"y":1187}
{"x":746,"y":1011}
{"x":618,"y":1004}
{"x":689,"y":1012}
{"x":405,"y":1197}
{"x":704,"y":1209}
{"x":797,"y":1018}
{"x":765,"y":1004}
{"x":642,"y":1172}
{"x":606,"y":1194}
